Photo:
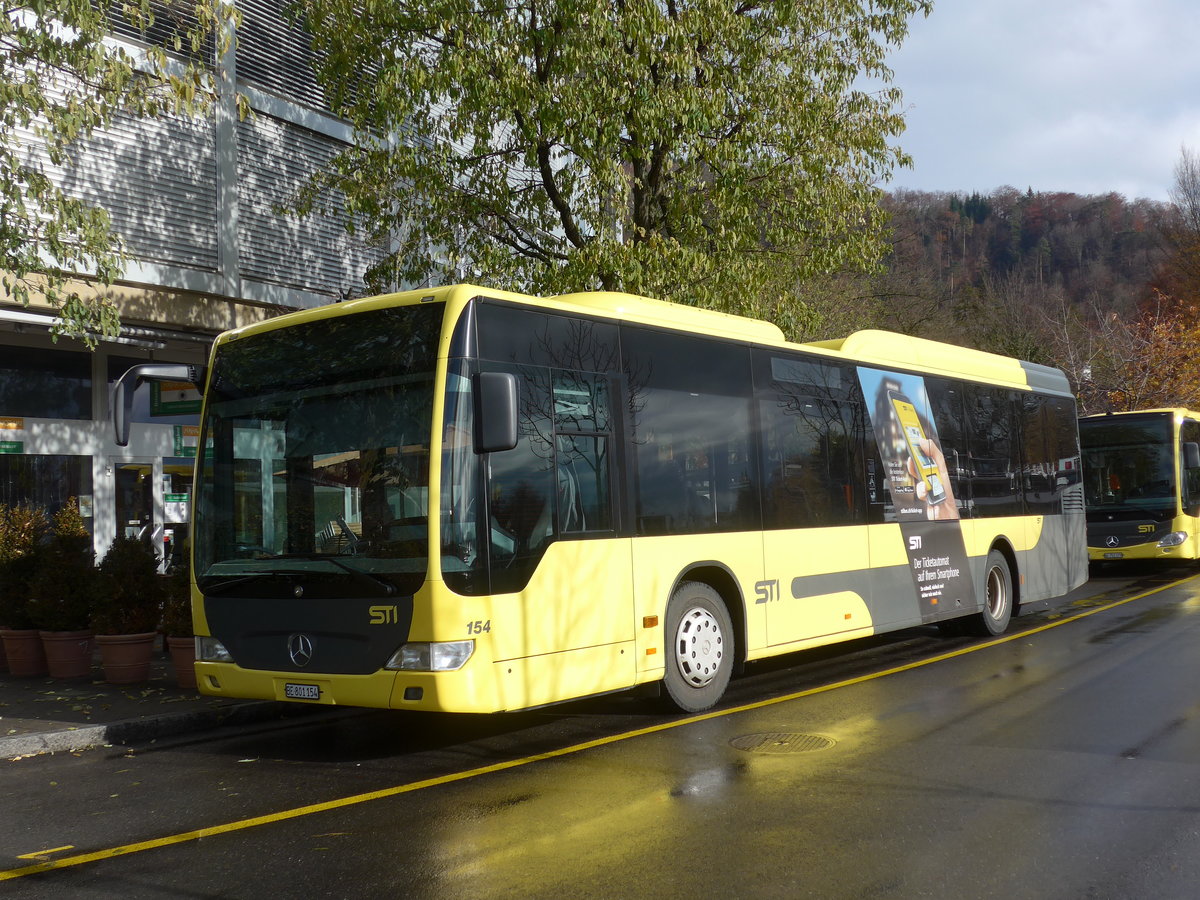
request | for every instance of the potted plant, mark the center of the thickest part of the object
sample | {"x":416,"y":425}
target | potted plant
{"x":62,"y":593}
{"x":22,"y":531}
{"x":177,"y":625}
{"x":128,"y":609}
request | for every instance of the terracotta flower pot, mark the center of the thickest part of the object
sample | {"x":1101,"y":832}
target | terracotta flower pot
{"x":125,"y":658}
{"x":23,"y":650}
{"x":183,"y":658}
{"x":68,"y":653}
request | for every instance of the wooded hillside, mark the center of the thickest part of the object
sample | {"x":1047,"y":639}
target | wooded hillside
{"x":1097,"y":285}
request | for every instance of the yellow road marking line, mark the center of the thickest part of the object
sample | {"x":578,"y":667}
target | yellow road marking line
{"x":43,"y":853}
{"x":300,"y":811}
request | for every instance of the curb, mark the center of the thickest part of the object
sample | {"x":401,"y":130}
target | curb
{"x":89,"y":737}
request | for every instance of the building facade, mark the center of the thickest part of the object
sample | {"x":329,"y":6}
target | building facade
{"x":195,"y":202}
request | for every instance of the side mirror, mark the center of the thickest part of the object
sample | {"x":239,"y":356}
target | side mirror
{"x":495,"y":395}
{"x":1191,"y":454}
{"x":120,"y":398}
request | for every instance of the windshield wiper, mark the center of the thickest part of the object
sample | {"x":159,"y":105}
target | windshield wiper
{"x":230,"y":582}
{"x":249,"y":576}
{"x":388,"y":587}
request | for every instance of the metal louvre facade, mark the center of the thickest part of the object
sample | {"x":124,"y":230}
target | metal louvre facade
{"x":196,"y":200}
{"x":157,"y":179}
{"x":315,"y":253}
{"x":276,"y":55}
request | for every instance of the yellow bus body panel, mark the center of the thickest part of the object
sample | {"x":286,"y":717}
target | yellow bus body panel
{"x":802,"y":554}
{"x":660,"y":563}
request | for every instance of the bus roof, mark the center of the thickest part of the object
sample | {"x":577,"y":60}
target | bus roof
{"x":675,"y":315}
{"x":871,"y":347}
{"x":1177,"y":411}
{"x":888,"y":348}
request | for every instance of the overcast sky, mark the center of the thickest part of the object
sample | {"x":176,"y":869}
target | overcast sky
{"x":1087,"y":96}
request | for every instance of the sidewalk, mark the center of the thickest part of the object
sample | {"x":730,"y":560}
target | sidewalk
{"x":44,"y":715}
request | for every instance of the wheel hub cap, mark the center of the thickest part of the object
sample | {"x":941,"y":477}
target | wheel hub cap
{"x":699,"y":647}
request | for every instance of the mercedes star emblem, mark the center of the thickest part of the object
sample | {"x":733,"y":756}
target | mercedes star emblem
{"x":300,"y":649}
{"x":1112,"y":540}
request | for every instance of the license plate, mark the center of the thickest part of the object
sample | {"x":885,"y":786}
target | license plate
{"x":302,"y":691}
{"x":1114,"y":555}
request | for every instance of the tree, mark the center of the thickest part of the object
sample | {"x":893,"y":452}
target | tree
{"x":1181,"y":231}
{"x":709,"y":152}
{"x":60,"y":82}
{"x":1153,"y":361}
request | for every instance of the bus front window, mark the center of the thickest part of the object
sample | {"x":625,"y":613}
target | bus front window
{"x":316,"y":457}
{"x":1129,"y":464}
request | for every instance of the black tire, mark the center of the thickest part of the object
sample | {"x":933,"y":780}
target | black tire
{"x":700,"y":647}
{"x":997,"y":597}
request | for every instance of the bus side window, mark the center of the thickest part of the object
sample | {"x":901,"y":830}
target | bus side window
{"x":1189,"y":433}
{"x":812,"y":429}
{"x":946,"y":402}
{"x":521,"y":487}
{"x":583,"y":426}
{"x":995,"y":487}
{"x":689,"y":403}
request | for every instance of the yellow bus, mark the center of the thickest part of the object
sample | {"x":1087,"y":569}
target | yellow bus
{"x":463,"y":499}
{"x":1141,"y":474}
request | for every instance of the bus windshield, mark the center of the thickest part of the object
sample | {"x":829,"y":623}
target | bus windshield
{"x":1129,"y":464}
{"x":316,"y":458}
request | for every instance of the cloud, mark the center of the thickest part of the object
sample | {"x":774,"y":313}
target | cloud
{"x":1068,"y":95}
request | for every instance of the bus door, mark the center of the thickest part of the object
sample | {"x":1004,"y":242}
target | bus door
{"x":815,"y":543}
{"x":551,"y":517}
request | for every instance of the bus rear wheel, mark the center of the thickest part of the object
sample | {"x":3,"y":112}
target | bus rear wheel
{"x":997,"y":596}
{"x":700,"y":647}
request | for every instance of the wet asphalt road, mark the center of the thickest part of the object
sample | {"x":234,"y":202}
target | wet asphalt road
{"x":1063,"y":762}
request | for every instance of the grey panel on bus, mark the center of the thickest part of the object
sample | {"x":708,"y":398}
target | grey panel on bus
{"x":1046,"y":379}
{"x":882,"y":590}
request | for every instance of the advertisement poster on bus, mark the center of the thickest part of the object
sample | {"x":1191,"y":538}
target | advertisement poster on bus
{"x":922,"y":494}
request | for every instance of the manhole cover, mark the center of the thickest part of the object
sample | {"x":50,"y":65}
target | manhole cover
{"x":782,"y":742}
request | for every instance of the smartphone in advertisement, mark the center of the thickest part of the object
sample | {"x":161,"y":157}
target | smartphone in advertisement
{"x":915,"y":437}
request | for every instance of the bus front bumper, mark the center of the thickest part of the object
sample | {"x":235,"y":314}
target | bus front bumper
{"x":385,"y":689}
{"x":1151,"y":550}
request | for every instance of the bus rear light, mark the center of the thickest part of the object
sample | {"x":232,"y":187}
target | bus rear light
{"x":436,"y":656}
{"x":1174,"y":539}
{"x":209,"y":649}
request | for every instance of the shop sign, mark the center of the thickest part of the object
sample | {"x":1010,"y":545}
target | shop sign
{"x":11,"y":427}
{"x":173,"y":398}
{"x":186,"y":439}
{"x":175,"y":507}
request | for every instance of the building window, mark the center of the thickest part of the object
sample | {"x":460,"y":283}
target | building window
{"x":45,"y":384}
{"x":46,"y":482}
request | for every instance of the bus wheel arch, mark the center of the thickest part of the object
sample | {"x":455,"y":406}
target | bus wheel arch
{"x":999,"y":593}
{"x":702,"y":636}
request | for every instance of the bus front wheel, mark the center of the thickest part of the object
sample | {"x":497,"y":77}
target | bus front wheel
{"x":700,"y":647}
{"x":997,"y":596}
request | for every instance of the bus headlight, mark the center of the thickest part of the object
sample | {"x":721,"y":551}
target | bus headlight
{"x":1174,"y":539}
{"x":209,"y":649}
{"x":436,"y":656}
